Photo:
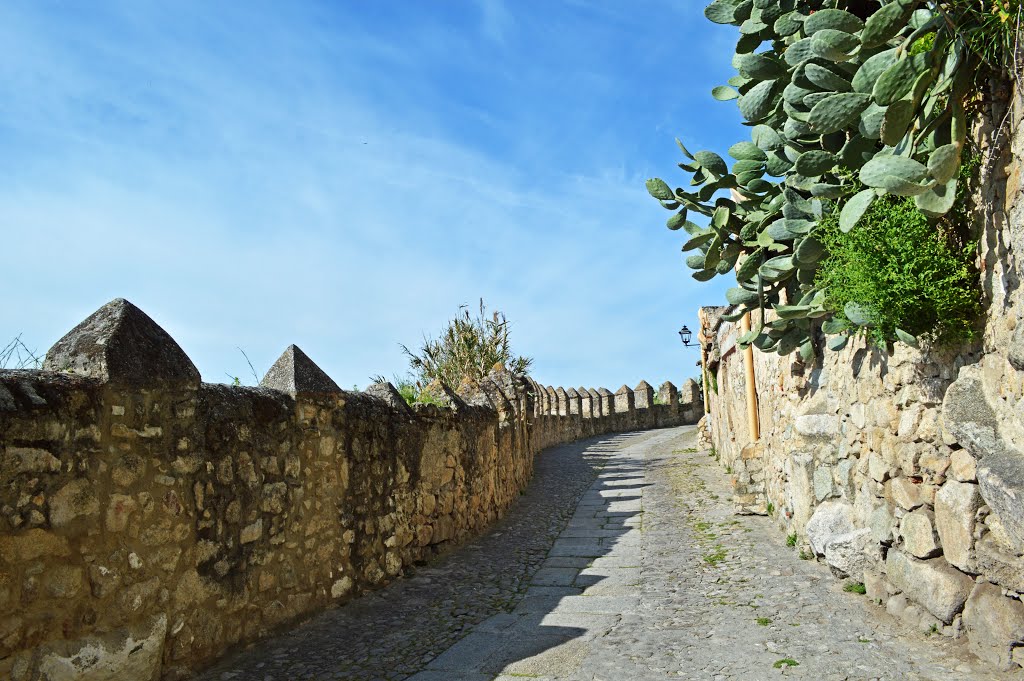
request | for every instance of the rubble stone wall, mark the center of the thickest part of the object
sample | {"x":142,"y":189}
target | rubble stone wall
{"x":149,"y":521}
{"x":903,"y":471}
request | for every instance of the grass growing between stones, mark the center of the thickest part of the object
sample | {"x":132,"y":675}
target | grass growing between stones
{"x":786,"y":662}
{"x":716,"y":556}
{"x":764,"y":621}
{"x":791,"y":540}
{"x":855,"y":588}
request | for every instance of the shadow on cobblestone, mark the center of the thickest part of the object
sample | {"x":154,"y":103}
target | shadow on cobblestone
{"x":588,"y":583}
{"x":455,"y":612}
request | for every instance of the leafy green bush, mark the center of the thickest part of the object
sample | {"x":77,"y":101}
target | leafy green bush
{"x":900,"y":275}
{"x":469,"y":348}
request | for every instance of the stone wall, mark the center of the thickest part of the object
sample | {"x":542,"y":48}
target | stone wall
{"x":904,"y":471}
{"x":149,"y":521}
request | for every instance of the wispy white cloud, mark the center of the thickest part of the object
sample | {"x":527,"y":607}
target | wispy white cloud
{"x":256,"y":178}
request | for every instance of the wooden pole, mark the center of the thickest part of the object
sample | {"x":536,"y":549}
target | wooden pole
{"x":705,"y":383}
{"x":753,"y":422}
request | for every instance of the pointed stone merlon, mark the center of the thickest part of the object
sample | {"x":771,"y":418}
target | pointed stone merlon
{"x":595,"y":400}
{"x":562,"y":399}
{"x":551,"y":402}
{"x":624,"y":400}
{"x":296,"y":374}
{"x":508,"y":386}
{"x":669,"y":395}
{"x":607,"y":400}
{"x":538,"y":398}
{"x":689,"y":394}
{"x":586,"y":403}
{"x":643,"y":395}
{"x":389,"y":394}
{"x":120,"y":344}
{"x":573,"y":398}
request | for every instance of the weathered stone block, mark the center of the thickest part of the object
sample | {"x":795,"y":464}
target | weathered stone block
{"x":995,"y":625}
{"x":850,"y":554}
{"x":63,"y":581}
{"x":903,"y":492}
{"x":801,"y":489}
{"x":962,"y":466}
{"x":830,"y":520}
{"x":941,"y":589}
{"x":18,"y":460}
{"x":252,"y":532}
{"x":129,"y":653}
{"x":75,"y":499}
{"x":919,"y":537}
{"x":955,"y":506}
{"x":823,"y":487}
{"x":882,"y":523}
{"x":970,"y":418}
{"x":32,"y":544}
{"x":1015,"y":353}
{"x":875,"y":586}
{"x":119,"y":510}
{"x":999,"y":565}
{"x":817,"y":425}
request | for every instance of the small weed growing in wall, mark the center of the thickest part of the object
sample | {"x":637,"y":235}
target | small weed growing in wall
{"x":786,"y":662}
{"x":234,"y":380}
{"x":791,"y":540}
{"x":806,"y":555}
{"x":17,"y":355}
{"x":764,"y":621}
{"x":770,"y":508}
{"x":728,"y":469}
{"x":855,"y":588}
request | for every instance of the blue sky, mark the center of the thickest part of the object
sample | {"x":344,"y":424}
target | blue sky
{"x":343,"y":175}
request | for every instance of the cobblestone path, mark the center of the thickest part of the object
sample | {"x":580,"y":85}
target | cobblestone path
{"x":623,"y":561}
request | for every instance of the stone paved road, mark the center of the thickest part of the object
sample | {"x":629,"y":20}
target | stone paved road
{"x":641,"y":572}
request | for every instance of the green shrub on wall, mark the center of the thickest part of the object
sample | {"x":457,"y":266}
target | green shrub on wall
{"x":905,"y":276}
{"x":851,"y":104}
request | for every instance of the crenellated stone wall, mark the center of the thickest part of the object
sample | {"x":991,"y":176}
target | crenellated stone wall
{"x":904,"y":471}
{"x":148,"y":521}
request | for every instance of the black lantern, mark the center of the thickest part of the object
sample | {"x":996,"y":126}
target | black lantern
{"x":685,"y":335}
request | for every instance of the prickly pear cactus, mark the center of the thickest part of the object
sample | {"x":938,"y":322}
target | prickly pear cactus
{"x":838,"y":100}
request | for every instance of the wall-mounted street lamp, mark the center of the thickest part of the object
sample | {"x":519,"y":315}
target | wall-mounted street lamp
{"x":685,"y":335}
